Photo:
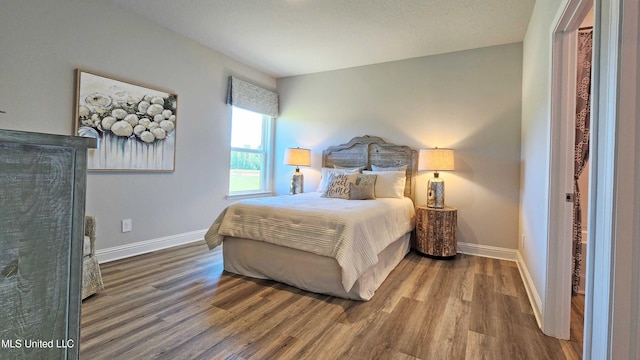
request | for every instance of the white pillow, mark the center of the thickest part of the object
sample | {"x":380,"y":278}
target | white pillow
{"x":389,"y":184}
{"x":324,"y":179}
{"x":340,"y":185}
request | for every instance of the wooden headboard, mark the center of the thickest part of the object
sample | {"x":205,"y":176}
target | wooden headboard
{"x":372,"y":150}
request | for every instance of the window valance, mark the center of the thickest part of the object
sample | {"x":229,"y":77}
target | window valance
{"x":251,"y":97}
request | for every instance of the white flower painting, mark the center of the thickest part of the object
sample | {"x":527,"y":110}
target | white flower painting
{"x":135,"y":126}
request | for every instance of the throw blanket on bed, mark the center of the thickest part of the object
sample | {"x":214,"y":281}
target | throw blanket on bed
{"x":353,"y":232}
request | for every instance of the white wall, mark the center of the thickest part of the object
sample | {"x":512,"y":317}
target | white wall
{"x":469,"y":101}
{"x":43,"y":41}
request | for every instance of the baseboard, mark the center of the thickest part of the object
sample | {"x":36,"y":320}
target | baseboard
{"x":487,"y":251}
{"x":510,"y":255}
{"x":143,"y":247}
{"x":532,"y":293}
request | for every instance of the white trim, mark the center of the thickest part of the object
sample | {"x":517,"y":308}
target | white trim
{"x":614,"y":332}
{"x":556,"y":305}
{"x":147,"y":246}
{"x":251,"y":195}
{"x":487,"y":251}
{"x":557,"y":315}
{"x":599,"y":302}
{"x":529,"y":286}
{"x":600,"y":294}
{"x":143,"y":247}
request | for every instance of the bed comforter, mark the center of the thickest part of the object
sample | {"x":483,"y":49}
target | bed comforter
{"x":351,"y":231}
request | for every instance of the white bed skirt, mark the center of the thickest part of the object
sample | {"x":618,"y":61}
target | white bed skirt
{"x":307,"y":271}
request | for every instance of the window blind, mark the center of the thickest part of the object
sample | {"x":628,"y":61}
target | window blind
{"x":251,"y":97}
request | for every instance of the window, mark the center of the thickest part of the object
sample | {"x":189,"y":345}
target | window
{"x":252,"y":109}
{"x":250,"y":152}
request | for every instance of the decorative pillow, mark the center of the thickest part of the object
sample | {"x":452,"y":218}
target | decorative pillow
{"x":339,"y":185}
{"x":324,"y":178}
{"x":389,"y":168}
{"x":361,"y":192}
{"x":368,"y":179}
{"x":389,"y":184}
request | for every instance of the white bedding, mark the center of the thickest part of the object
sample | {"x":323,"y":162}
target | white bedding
{"x":307,"y":271}
{"x":353,"y":232}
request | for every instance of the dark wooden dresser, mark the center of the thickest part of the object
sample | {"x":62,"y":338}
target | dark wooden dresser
{"x":42,"y":200}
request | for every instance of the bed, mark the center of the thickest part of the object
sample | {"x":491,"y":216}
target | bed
{"x":327,"y":245}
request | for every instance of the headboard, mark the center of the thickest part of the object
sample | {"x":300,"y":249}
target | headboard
{"x":372,"y":150}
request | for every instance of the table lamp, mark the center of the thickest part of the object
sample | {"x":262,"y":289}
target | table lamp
{"x":297,"y":157}
{"x":436,"y":160}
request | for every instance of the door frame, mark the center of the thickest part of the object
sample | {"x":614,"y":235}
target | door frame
{"x":602,"y":237}
{"x":557,"y":311}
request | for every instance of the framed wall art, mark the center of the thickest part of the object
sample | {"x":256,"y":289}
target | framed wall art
{"x":135,"y":125}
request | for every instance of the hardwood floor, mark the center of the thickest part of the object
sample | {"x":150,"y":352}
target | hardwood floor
{"x":577,"y":325}
{"x":179,"y":304}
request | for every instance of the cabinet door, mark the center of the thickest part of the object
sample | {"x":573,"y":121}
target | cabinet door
{"x":36,"y":213}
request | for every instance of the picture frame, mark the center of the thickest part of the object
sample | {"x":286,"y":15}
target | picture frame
{"x":135,"y":124}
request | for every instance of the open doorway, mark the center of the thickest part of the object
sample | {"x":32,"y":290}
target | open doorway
{"x":582,"y":125}
{"x":560,"y":282}
{"x":611,"y":299}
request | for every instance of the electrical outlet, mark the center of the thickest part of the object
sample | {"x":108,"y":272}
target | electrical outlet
{"x":127,"y":225}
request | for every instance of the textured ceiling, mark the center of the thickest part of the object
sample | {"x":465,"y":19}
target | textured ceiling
{"x":293,"y":37}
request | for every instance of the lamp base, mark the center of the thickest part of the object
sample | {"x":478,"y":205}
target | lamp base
{"x":435,"y":193}
{"x":297,"y":183}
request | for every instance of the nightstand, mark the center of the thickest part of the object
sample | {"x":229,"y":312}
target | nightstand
{"x":436,"y":232}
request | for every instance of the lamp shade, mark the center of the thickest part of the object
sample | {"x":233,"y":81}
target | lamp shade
{"x":297,"y":157}
{"x":436,"y":159}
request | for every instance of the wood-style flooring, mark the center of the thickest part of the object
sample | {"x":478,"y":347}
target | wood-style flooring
{"x":179,"y":304}
{"x":577,"y":325}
